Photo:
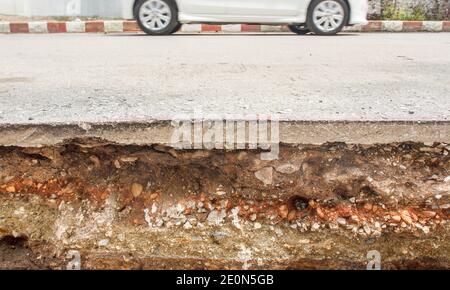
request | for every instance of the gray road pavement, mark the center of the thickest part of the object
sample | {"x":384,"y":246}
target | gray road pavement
{"x":97,"y":78}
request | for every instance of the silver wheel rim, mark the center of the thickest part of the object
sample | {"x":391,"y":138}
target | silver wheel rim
{"x":328,"y":15}
{"x":155,"y":15}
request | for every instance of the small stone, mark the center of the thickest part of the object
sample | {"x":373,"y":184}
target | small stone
{"x":320,"y":213}
{"x":216,"y":217}
{"x":447,"y":179}
{"x":265,"y":175}
{"x":117,"y":164}
{"x":242,"y":155}
{"x":367,"y":229}
{"x":406,"y":217}
{"x":352,"y":200}
{"x":315,"y":226}
{"x":341,"y":221}
{"x":333,"y":226}
{"x":11,"y":189}
{"x":193,"y":221}
{"x":103,"y":243}
{"x":154,"y":208}
{"x":283,"y":211}
{"x":128,"y":159}
{"x":396,"y":218}
{"x":287,"y":168}
{"x":368,"y":206}
{"x":159,"y":222}
{"x":187,"y":226}
{"x":136,"y":189}
{"x":292,"y":215}
{"x":354,"y":219}
{"x":253,"y":217}
{"x":257,"y":226}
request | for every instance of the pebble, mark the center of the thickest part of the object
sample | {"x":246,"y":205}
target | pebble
{"x":265,"y":175}
{"x":154,"y":208}
{"x":396,"y":218}
{"x":187,"y":226}
{"x":320,"y":212}
{"x":333,"y":226}
{"x":368,"y":206}
{"x":283,"y":211}
{"x":128,"y":159}
{"x":287,"y":168}
{"x":292,"y":215}
{"x":257,"y":226}
{"x":136,"y":189}
{"x":159,"y":222}
{"x":406,"y":217}
{"x":253,"y":217}
{"x":103,"y":243}
{"x":216,"y":217}
{"x":354,"y":218}
{"x":341,"y":221}
{"x":367,"y":229}
{"x":11,"y":189}
{"x":315,"y":226}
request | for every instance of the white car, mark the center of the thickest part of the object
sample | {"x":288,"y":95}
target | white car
{"x":323,"y":17}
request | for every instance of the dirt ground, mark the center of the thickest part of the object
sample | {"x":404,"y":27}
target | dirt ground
{"x":155,"y":207}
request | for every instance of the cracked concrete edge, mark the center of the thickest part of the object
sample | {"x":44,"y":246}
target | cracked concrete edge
{"x":290,"y":132}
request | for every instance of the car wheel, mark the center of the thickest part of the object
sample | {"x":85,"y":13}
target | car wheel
{"x":327,"y":17}
{"x":177,"y":28}
{"x":299,"y":29}
{"x":157,"y":17}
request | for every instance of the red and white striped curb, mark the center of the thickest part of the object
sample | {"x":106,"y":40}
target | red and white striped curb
{"x":115,"y":26}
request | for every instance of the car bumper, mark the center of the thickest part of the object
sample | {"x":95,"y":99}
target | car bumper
{"x":358,"y":12}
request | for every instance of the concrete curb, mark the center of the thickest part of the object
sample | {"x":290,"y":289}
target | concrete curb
{"x":290,"y":132}
{"x":118,"y":26}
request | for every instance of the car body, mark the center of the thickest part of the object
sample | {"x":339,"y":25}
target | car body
{"x":295,"y":13}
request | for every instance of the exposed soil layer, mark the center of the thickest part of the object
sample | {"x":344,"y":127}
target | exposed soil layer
{"x":156,"y":207}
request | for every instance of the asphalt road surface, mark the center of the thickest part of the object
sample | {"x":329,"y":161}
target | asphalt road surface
{"x":69,"y":78}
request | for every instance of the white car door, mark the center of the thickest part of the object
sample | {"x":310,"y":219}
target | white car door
{"x":266,"y":7}
{"x":203,"y":7}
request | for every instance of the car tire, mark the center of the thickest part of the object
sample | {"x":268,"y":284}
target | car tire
{"x":327,"y":17}
{"x":177,"y":28}
{"x":299,"y":29}
{"x":157,"y":17}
